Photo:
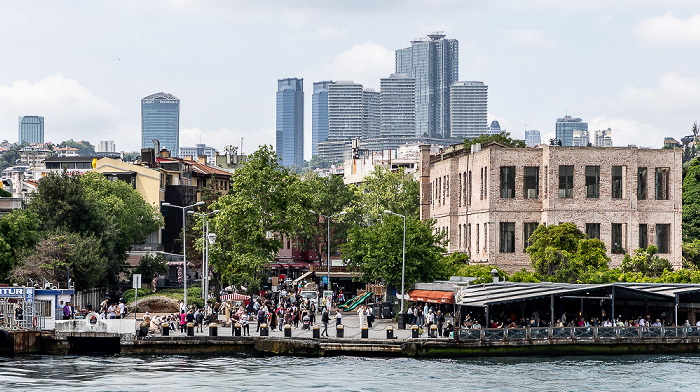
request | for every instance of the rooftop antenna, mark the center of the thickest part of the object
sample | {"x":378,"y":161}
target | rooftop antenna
{"x":241,"y":146}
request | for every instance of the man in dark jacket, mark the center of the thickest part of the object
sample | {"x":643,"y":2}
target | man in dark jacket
{"x":325,"y":319}
{"x":439,"y":320}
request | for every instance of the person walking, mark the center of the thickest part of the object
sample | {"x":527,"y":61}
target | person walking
{"x":338,"y":318}
{"x":361,"y":315}
{"x":324,"y":320}
{"x":261,"y":318}
{"x":440,"y":320}
{"x":370,"y":317}
{"x":183,"y":317}
{"x":245,"y":323}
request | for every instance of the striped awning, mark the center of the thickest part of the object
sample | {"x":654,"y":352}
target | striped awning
{"x":235,"y":297}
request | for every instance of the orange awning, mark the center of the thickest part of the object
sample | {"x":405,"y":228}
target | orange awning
{"x":417,"y":295}
{"x":435,"y":297}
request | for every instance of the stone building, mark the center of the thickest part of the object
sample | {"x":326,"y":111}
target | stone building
{"x":489,"y":200}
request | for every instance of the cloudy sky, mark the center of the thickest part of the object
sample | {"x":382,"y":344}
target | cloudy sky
{"x":629,"y":65}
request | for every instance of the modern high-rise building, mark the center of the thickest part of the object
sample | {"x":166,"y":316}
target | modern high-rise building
{"x":581,"y":138}
{"x":160,"y":119}
{"x":532,"y":138}
{"x":290,"y":121}
{"x":371,"y":113}
{"x":345,"y":110}
{"x":31,"y":129}
{"x":565,"y":129}
{"x":603,"y":138}
{"x":105,"y":146}
{"x":468,"y":109}
{"x":434,"y":63}
{"x":319,"y":114}
{"x":397,"y":106}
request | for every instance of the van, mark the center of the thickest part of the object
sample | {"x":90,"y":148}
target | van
{"x":312,"y":296}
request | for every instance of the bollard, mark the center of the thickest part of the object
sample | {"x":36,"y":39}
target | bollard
{"x":365,"y":332}
{"x":264,"y":330}
{"x":339,"y":331}
{"x":316,"y":332}
{"x":190,"y":329}
{"x":165,"y":329}
{"x":236,"y":329}
{"x":390,"y":332}
{"x":432,"y":333}
{"x":143,"y":329}
{"x":414,"y":331}
{"x":287,"y":331}
{"x":213,"y":329}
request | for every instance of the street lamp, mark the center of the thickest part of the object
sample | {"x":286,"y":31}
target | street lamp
{"x":328,"y":237}
{"x":402,"y":315}
{"x":207,"y":238}
{"x":184,"y":247}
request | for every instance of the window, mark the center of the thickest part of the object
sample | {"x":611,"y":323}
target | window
{"x":508,"y":182}
{"x":464,"y":188}
{"x":469,"y":198}
{"x":531,"y":182}
{"x":661,"y":183}
{"x":641,"y":183}
{"x":459,"y":243}
{"x":469,"y":238}
{"x":643,"y":236}
{"x":507,"y":237}
{"x":566,"y":181}
{"x":663,"y":237}
{"x":617,"y":182}
{"x":477,"y":239}
{"x":486,"y":238}
{"x":459,"y":199}
{"x":616,"y":240}
{"x":481,"y":193}
{"x":528,"y":229}
{"x":593,"y":230}
{"x":592,"y":182}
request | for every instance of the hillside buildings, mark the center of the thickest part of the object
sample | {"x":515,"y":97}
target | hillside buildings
{"x":290,"y":121}
{"x":160,"y":119}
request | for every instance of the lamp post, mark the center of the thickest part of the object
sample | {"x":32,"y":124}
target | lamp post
{"x":402,"y":315}
{"x":206,"y":240}
{"x":328,"y":237}
{"x":184,"y":243}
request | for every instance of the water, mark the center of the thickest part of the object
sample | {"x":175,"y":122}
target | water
{"x":239,"y":373}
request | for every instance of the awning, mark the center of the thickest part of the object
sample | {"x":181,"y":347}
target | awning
{"x":304,"y":275}
{"x":432,"y":296}
{"x":235,"y":297}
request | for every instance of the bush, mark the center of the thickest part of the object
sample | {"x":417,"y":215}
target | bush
{"x":143,"y":292}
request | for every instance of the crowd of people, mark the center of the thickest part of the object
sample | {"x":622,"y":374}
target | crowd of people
{"x":426,"y":316}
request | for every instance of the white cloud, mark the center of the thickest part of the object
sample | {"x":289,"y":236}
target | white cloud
{"x":364,"y":63}
{"x":672,"y":94}
{"x":530,"y":37}
{"x":627,"y":131}
{"x":218,"y":138}
{"x":669,"y":30}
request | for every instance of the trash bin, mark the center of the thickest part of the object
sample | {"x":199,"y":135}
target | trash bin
{"x":237,"y":329}
{"x":287,"y":331}
{"x":190,"y":329}
{"x":387,"y":309}
{"x":432,"y":333}
{"x":264,"y":330}
{"x":213,"y":329}
{"x":143,"y":329}
{"x":165,"y":329}
{"x":316,"y":331}
{"x":339,"y":331}
{"x":390,"y":332}
{"x":414,"y":331}
{"x":402,"y":320}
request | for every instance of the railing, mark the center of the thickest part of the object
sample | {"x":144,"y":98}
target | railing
{"x":33,"y":315}
{"x":606,"y":334}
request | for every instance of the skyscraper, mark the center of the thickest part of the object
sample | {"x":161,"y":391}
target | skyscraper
{"x":31,"y":129}
{"x":105,"y":146}
{"x":434,"y":63}
{"x":603,"y":138}
{"x":532,"y":138}
{"x":468,"y":109}
{"x":581,"y":138}
{"x":398,"y":106}
{"x":345,"y":110}
{"x":160,"y":119}
{"x":371,"y":113}
{"x":290,"y":121}
{"x":565,"y":129}
{"x":319,"y":114}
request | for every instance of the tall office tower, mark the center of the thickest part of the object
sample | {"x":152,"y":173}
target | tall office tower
{"x":290,"y":121}
{"x":319,"y":114}
{"x":565,"y":129}
{"x":371,"y":113}
{"x":105,"y":146}
{"x":603,"y":138}
{"x":532,"y":138}
{"x":468,"y":109}
{"x":160,"y":119}
{"x":581,"y":138}
{"x":434,"y":63}
{"x":345,"y":110}
{"x":31,"y":129}
{"x":397,"y":106}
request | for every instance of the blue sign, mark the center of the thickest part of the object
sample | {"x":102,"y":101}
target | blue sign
{"x":13,"y":292}
{"x":29,"y":294}
{"x":325,"y":280}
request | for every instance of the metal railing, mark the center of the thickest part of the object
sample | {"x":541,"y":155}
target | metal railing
{"x":579,"y":333}
{"x":32,"y":316}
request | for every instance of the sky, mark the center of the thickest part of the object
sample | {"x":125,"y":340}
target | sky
{"x":631,"y":66}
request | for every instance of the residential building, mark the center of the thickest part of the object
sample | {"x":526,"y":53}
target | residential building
{"x":565,"y":128}
{"x":336,"y":151}
{"x":581,"y":138}
{"x":489,"y":199}
{"x":105,"y":146}
{"x":231,"y":160}
{"x":319,"y":114}
{"x":434,"y":64}
{"x":671,"y":142}
{"x":345,"y":110}
{"x":66,"y":152}
{"x":34,"y":157}
{"x":31,"y":129}
{"x":468,"y":109}
{"x":603,"y":138}
{"x":290,"y":121}
{"x":192,"y":153}
{"x":160,"y":120}
{"x":397,"y":106}
{"x":532,"y":138}
{"x":371,"y":113}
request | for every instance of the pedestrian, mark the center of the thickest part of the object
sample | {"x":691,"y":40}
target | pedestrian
{"x":324,"y":320}
{"x":338,"y":318}
{"x":440,"y":319}
{"x":361,"y":315}
{"x":370,"y":317}
{"x":261,"y":318}
{"x":245,"y":323}
{"x":183,"y":321}
{"x":409,"y":314}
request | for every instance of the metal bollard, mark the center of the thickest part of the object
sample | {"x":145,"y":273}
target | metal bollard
{"x":316,"y":332}
{"x":414,"y":332}
{"x":236,"y":329}
{"x":287,"y":331}
{"x":213,"y":329}
{"x":190,"y":329}
{"x":390,"y":332}
{"x":264,"y":330}
{"x":432,"y":333}
{"x":339,"y":331}
{"x":165,"y":329}
{"x":143,"y":329}
{"x":365,"y":332}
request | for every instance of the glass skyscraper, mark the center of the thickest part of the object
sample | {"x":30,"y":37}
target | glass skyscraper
{"x":290,"y":121}
{"x":468,"y":109}
{"x":565,"y":129}
{"x":434,"y":63}
{"x":319,"y":114}
{"x":398,"y":106}
{"x":160,"y":119}
{"x":353,"y":111}
{"x":31,"y":129}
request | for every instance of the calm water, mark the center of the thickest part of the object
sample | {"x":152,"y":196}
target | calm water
{"x":67,"y":373}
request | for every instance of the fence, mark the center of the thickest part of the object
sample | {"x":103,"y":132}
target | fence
{"x":93,"y":296}
{"x":32,"y":316}
{"x":579,"y":333}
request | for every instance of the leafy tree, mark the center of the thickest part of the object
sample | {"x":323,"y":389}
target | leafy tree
{"x":11,"y":156}
{"x":386,"y":190}
{"x":691,"y":254}
{"x":19,"y":231}
{"x":524,"y":276}
{"x":453,"y":263}
{"x":503,"y":137}
{"x":481,"y":272}
{"x":151,"y":266}
{"x":319,"y":162}
{"x":84,"y":147}
{"x":691,"y":202}
{"x":646,"y":262}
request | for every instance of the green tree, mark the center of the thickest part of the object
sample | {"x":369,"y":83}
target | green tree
{"x":11,"y":156}
{"x":151,"y":266}
{"x":4,"y":193}
{"x":646,"y":262}
{"x":386,"y":190}
{"x":319,"y":162}
{"x":691,"y":254}
{"x":503,"y":138}
{"x":19,"y":231}
{"x":691,"y":202}
{"x":84,"y":147}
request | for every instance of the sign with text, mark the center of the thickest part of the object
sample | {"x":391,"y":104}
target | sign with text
{"x":137,"y":281}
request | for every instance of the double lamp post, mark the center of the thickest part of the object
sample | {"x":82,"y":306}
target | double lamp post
{"x":328,"y":237}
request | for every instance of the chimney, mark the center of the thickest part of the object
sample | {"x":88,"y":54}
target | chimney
{"x":424,"y":173}
{"x":156,"y":146}
{"x":164,"y":153}
{"x":202,"y":159}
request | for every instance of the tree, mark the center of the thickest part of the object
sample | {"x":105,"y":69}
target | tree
{"x":11,"y":156}
{"x":691,"y":254}
{"x":151,"y":266}
{"x":646,"y":262}
{"x":19,"y":231}
{"x":691,"y":202}
{"x":503,"y":138}
{"x":319,"y":162}
{"x":4,"y":193}
{"x":84,"y":147}
{"x":386,"y":190}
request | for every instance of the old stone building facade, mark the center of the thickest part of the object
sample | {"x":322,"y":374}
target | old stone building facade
{"x":488,"y":200}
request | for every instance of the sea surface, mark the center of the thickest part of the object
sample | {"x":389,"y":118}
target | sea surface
{"x":242,"y":373}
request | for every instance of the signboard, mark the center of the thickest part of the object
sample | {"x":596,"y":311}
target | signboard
{"x":325,"y":279}
{"x":275,"y":281}
{"x":328,"y":296}
{"x":137,"y":281}
{"x":27,"y":293}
